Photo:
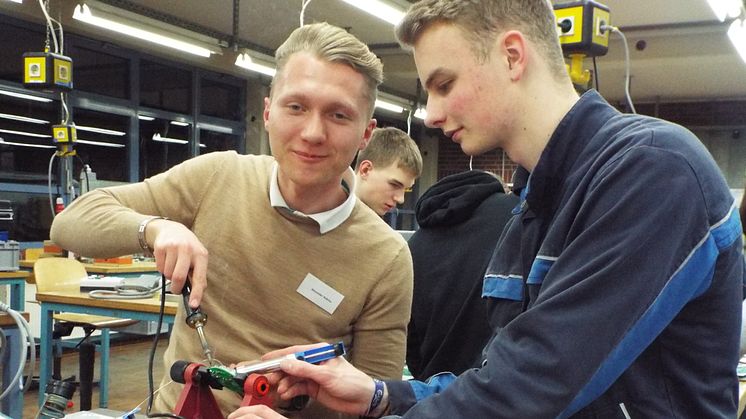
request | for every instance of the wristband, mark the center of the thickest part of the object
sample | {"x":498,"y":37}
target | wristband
{"x":141,"y":234}
{"x":377,"y":397}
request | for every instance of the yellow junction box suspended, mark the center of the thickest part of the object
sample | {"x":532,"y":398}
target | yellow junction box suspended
{"x":47,"y":71}
{"x":580,"y":28}
{"x":64,"y":136}
{"x":583,"y":30}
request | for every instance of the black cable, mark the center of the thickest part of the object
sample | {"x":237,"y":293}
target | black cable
{"x":595,"y":74}
{"x":152,"y":356}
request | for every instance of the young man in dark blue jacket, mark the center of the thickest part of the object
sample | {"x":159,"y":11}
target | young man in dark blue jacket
{"x":626,"y":253}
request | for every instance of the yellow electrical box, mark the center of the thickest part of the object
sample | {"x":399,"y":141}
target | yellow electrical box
{"x":47,"y":71}
{"x":581,"y":27}
{"x":64,"y":136}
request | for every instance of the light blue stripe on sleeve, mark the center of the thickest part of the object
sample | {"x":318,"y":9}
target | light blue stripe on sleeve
{"x":729,"y":230}
{"x":539,"y":269}
{"x":509,"y":287}
{"x":434,"y":385}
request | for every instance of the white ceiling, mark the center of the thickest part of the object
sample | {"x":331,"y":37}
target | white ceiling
{"x":687,"y":56}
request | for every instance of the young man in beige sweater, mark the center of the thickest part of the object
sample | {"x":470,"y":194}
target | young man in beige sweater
{"x":278,"y":249}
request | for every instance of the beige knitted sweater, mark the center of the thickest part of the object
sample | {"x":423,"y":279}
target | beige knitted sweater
{"x":258,"y":256}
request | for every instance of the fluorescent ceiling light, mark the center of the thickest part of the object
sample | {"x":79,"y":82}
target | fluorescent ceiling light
{"x":132,"y":25}
{"x":145,"y":118}
{"x":99,"y":130}
{"x":420,"y":113}
{"x":379,"y":9}
{"x":179,"y":123}
{"x":23,"y":118}
{"x":2,"y":141}
{"x":382,"y":104}
{"x":246,"y":61}
{"x":24,"y":96}
{"x":216,"y":128}
{"x":202,"y":145}
{"x":17,"y":1}
{"x":157,"y":137}
{"x":24,"y":133}
{"x":737,"y":35}
{"x":100,"y":143}
{"x":726,"y":8}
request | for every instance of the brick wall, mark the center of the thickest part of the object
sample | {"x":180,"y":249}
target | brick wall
{"x":452,"y":160}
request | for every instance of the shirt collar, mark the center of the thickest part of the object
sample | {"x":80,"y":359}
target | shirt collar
{"x":327,"y":220}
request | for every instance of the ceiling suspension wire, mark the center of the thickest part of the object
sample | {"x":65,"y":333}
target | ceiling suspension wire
{"x":304,"y":4}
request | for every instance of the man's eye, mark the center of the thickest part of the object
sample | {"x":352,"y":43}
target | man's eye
{"x":444,"y":87}
{"x":339,"y":115}
{"x":295,"y":107}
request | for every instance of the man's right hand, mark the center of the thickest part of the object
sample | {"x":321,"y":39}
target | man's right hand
{"x":177,"y":252}
{"x":335,"y":383}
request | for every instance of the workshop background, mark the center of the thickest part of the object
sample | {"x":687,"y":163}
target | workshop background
{"x":141,"y":108}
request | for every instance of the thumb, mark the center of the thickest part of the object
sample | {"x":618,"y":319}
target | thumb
{"x":299,"y":369}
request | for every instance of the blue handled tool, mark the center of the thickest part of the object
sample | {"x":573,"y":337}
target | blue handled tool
{"x":313,"y":356}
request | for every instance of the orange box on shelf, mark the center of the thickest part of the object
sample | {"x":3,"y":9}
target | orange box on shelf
{"x":50,"y":247}
{"x":122,"y":260}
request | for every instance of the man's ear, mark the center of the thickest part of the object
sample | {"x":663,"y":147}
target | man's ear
{"x":265,"y":114}
{"x":513,"y":48}
{"x":364,"y":168}
{"x":367,"y":133}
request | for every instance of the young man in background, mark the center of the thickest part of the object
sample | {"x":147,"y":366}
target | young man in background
{"x":386,"y":169}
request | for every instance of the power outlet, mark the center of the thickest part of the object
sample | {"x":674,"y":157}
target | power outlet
{"x":566,"y":26}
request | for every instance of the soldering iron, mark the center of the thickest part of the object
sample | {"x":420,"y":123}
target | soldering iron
{"x":196,"y":319}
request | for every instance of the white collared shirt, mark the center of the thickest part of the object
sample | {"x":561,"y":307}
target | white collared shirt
{"x":327,"y":220}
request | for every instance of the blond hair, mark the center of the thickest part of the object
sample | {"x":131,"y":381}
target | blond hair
{"x":482,"y":20}
{"x":392,"y":145}
{"x":335,"y":45}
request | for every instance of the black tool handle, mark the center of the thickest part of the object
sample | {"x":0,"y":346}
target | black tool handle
{"x":194,"y":316}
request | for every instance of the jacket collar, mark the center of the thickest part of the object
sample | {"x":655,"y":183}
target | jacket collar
{"x":569,"y":139}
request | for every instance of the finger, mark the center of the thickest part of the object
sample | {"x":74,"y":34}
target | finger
{"x":297,"y":387}
{"x":275,"y":377}
{"x":285,"y":382}
{"x":199,"y":277}
{"x":160,"y":259}
{"x":306,"y":370}
{"x":169,"y":265}
{"x":183,"y":265}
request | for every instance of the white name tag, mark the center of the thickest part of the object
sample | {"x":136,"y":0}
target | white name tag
{"x":320,"y":294}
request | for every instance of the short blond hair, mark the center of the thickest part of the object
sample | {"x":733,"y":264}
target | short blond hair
{"x":482,"y":20}
{"x":335,"y":45}
{"x":392,"y":145}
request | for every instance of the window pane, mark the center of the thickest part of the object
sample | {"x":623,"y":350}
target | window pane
{"x":32,"y":216}
{"x":162,"y":146}
{"x":102,"y":144}
{"x":17,"y":40}
{"x":100,"y":73}
{"x":215,"y":141}
{"x":164,"y":87}
{"x":26,"y":128}
{"x":221,"y":100}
